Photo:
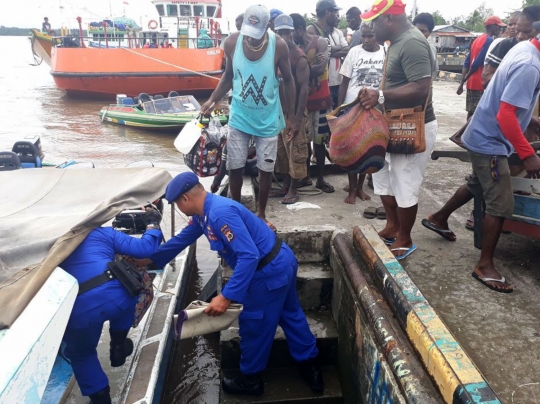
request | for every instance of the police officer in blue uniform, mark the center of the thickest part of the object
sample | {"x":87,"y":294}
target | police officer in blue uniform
{"x":103,"y":299}
{"x":263,"y":280}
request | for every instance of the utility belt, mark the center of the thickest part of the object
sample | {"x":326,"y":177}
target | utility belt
{"x":268,"y":258}
{"x":126,"y":274}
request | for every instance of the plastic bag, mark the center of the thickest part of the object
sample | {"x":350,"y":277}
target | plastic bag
{"x":204,"y":159}
{"x":188,"y":136}
{"x":216,"y":131}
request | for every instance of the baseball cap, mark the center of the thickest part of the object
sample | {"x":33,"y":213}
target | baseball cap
{"x":536,"y":26}
{"x":494,"y":20}
{"x":283,"y":21}
{"x":323,"y":5}
{"x":380,"y":7}
{"x":274,"y":13}
{"x":255,"y":21}
{"x":179,"y":185}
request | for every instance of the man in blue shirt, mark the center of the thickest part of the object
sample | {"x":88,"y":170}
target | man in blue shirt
{"x":106,"y":301}
{"x":494,"y":133}
{"x":264,"y":280}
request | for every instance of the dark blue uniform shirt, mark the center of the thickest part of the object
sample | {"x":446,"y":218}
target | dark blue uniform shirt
{"x":238,"y":235}
{"x":90,"y":259}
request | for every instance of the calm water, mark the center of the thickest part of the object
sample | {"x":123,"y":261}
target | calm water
{"x":71,"y":129}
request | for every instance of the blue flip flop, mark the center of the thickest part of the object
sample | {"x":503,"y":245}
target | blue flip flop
{"x":409,"y":251}
{"x":388,"y":241}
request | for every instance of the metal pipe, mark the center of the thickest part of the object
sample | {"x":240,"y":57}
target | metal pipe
{"x":382,"y":328}
{"x":79,"y":20}
{"x":106,"y":39}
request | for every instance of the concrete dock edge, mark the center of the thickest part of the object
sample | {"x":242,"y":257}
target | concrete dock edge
{"x":454,"y":373}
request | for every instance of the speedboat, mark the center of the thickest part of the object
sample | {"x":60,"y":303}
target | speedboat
{"x":44,"y":215}
{"x":157,"y":113}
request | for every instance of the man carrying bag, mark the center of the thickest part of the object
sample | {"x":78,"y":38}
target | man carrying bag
{"x":406,"y":101}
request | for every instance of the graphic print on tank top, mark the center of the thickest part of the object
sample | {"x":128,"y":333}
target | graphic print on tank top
{"x":251,"y":87}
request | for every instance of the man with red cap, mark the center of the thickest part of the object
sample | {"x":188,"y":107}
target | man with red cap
{"x":407,"y":82}
{"x":474,"y":64}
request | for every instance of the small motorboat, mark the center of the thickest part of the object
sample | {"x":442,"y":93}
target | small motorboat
{"x":160,"y":113}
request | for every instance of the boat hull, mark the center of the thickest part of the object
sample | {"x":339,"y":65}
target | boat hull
{"x":107,"y":72}
{"x":128,"y":116}
{"x":41,"y":45}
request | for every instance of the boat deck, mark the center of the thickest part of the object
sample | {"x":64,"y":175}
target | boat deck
{"x":497,"y":331}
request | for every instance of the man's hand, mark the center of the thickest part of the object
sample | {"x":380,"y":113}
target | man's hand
{"x":291,"y":129}
{"x":218,"y":306}
{"x":460,"y":90}
{"x":206,"y":108}
{"x":532,"y":166}
{"x":369,"y":97}
{"x":320,"y":58}
{"x":152,"y":217}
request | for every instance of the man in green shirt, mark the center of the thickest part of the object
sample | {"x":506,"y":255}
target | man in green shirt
{"x":408,"y":78}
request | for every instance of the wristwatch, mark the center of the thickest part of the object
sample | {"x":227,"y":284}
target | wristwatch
{"x":381,"y":97}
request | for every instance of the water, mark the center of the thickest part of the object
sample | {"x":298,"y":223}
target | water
{"x":71,"y":129}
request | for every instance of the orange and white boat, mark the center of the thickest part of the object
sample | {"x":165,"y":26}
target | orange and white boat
{"x":177,"y":48}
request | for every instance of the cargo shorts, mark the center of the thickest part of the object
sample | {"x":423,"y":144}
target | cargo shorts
{"x":491,"y":180}
{"x":292,"y":156}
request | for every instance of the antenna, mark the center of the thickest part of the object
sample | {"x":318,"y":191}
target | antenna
{"x":414,"y":10}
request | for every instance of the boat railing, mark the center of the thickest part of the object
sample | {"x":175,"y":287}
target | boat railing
{"x":127,"y":42}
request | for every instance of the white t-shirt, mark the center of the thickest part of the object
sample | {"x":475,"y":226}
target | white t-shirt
{"x":336,"y":39}
{"x":364,"y":69}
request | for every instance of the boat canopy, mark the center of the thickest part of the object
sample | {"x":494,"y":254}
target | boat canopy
{"x":45,"y":214}
{"x":172,"y":105}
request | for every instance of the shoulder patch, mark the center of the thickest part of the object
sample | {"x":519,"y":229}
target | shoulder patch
{"x":227,"y":233}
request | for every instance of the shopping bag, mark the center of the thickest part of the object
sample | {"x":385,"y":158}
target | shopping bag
{"x":193,"y":321}
{"x":188,"y":136}
{"x":359,"y":138}
{"x":204,"y":159}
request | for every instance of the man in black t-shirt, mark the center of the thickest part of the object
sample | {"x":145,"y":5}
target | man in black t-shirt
{"x":46,"y":27}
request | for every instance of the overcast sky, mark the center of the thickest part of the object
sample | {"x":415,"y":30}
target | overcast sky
{"x":30,"y":13}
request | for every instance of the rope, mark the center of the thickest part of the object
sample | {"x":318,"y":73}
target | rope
{"x":170,"y":64}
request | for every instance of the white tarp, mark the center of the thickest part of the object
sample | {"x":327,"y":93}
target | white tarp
{"x":46,"y":213}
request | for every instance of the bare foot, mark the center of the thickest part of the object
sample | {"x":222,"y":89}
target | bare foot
{"x":492,"y":273}
{"x":272,"y":227}
{"x":350,"y":199}
{"x":362,"y":195}
{"x":389,"y":233}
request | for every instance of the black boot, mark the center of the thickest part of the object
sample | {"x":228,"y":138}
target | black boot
{"x":251,"y":385}
{"x":121,"y":347}
{"x":101,"y":397}
{"x":312,"y":375}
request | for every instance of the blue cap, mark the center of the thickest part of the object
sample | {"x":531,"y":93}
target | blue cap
{"x":283,"y":22}
{"x":274,"y":13}
{"x":179,"y":185}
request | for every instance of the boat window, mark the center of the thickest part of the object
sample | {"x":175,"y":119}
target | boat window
{"x":185,"y":11}
{"x":210,"y":11}
{"x":184,"y":103}
{"x":172,"y":9}
{"x":198,"y":11}
{"x":149,"y":107}
{"x":160,"y":9}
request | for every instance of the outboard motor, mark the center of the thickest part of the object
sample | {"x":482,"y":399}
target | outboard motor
{"x":36,"y":140}
{"x":9,"y":161}
{"x":28,"y":154}
{"x":131,"y":221}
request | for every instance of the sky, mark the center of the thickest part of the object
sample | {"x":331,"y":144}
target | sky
{"x":30,"y":13}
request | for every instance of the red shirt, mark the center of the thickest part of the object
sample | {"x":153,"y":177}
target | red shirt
{"x":475,"y":81}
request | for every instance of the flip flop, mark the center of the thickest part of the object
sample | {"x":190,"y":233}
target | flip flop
{"x":388,"y":241}
{"x":304,"y":183}
{"x":290,"y":201}
{"x":409,"y":251}
{"x":381,"y":213}
{"x":326,"y":187}
{"x":278,"y":193}
{"x":370,"y":212}
{"x":444,"y":233}
{"x":469,"y":224}
{"x":484,"y":280}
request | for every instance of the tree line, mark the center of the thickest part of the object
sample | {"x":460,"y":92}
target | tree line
{"x":14,"y":31}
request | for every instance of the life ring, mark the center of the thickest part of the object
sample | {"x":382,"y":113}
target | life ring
{"x":152,"y":24}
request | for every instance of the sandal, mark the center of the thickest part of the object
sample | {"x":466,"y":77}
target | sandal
{"x":305,"y":182}
{"x":370,"y":212}
{"x":469,"y":225}
{"x":381,"y":213}
{"x":325,"y":187}
{"x":290,"y":201}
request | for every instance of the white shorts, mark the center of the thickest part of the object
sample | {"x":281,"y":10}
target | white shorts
{"x":402,"y":175}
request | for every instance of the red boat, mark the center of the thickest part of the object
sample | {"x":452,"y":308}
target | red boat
{"x":177,"y":49}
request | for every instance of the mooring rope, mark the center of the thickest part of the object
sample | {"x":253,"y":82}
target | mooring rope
{"x":170,"y":64}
